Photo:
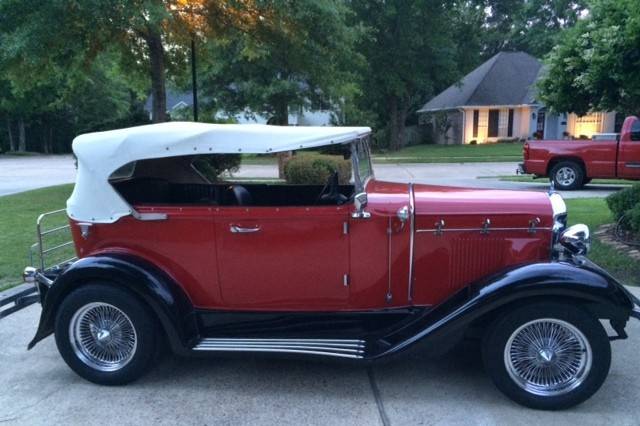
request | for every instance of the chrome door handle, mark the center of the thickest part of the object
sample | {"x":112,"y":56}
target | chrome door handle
{"x":235,"y":229}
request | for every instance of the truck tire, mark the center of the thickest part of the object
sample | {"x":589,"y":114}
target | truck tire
{"x":547,"y":356}
{"x":105,"y":334}
{"x":567,"y":175}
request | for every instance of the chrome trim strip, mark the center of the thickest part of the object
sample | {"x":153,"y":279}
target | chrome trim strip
{"x":248,"y":347}
{"x":289,"y":351}
{"x":304,"y":341}
{"x":327,"y":347}
{"x":412,"y":214}
{"x":389,"y":296}
{"x":149,"y":216}
{"x":481,"y":229}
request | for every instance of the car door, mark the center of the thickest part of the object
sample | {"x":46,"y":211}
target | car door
{"x":629,"y":151}
{"x":283,"y":258}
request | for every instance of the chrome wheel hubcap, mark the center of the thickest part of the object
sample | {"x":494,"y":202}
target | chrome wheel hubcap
{"x":548,"y":357}
{"x":103,"y":336}
{"x":566,"y":176}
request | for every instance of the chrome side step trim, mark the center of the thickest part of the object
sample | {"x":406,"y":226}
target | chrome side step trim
{"x":342,"y":348}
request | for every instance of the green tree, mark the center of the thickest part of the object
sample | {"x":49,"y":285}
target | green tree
{"x":411,"y":52}
{"x":151,"y":37}
{"x":301,"y":55}
{"x":596,"y":66}
{"x":532,"y":26}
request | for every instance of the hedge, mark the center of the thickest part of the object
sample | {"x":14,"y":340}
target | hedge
{"x":315,"y":169}
{"x":626,"y":203}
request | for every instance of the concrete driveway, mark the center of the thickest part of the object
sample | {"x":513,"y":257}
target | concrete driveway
{"x":19,"y":174}
{"x":38,"y":388}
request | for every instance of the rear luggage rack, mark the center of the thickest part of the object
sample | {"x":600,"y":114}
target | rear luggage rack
{"x":53,"y":252}
{"x":54,"y":249}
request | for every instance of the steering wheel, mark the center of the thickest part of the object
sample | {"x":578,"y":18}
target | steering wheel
{"x":330,"y":193}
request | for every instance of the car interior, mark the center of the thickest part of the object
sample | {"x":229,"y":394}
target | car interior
{"x":174,"y":181}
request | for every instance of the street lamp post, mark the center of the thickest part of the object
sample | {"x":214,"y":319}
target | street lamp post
{"x":194,"y":80}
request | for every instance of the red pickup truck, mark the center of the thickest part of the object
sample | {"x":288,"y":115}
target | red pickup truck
{"x":570,"y":164}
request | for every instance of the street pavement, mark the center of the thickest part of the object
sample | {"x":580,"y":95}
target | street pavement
{"x":19,"y":174}
{"x":37,"y":388}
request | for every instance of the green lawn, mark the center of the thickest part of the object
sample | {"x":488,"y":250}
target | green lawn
{"x":530,"y":178}
{"x":495,"y":152}
{"x":18,"y":214}
{"x":594,"y":212}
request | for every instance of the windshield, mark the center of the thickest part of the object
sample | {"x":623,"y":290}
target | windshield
{"x":362,"y":162}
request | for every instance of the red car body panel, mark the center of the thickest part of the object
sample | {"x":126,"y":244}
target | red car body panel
{"x":600,"y":158}
{"x":322,"y":259}
{"x":462,"y":253}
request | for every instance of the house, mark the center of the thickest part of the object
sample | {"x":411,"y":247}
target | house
{"x":179,"y":105}
{"x":497,"y":101}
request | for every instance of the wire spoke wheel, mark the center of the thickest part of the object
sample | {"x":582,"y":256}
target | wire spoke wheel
{"x":548,"y":357}
{"x":103,"y":336}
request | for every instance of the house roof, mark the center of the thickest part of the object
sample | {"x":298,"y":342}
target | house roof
{"x":174,"y":100}
{"x":508,"y":78}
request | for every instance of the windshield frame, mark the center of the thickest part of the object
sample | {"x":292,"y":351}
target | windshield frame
{"x":358,"y":147}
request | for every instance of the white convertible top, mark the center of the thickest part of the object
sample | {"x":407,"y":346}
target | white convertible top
{"x":99,"y":154}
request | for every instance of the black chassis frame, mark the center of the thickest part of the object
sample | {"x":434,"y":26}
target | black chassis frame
{"x":386,"y":332}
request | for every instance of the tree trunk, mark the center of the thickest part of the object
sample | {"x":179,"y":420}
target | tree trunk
{"x":393,"y":123}
{"x":402,"y":119}
{"x":12,"y":141}
{"x":22,"y":142}
{"x":48,"y":140}
{"x":158,"y":89}
{"x":398,"y":110}
{"x":281,"y":118}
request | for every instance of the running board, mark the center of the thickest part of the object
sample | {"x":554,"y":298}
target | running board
{"x":327,"y":347}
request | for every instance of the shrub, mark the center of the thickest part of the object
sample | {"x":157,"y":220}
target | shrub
{"x":315,"y":169}
{"x":626,"y":203}
{"x":212,"y":166}
{"x":633,"y":218}
{"x":473,"y":142}
{"x":508,"y":140}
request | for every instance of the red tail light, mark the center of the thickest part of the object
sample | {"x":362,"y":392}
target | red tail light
{"x":525,"y":150}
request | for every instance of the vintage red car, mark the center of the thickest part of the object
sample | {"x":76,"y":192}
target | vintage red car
{"x":571,"y":164}
{"x":361,"y":272}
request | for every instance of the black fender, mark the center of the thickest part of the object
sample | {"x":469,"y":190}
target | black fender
{"x":153,"y":286}
{"x":581,"y":281}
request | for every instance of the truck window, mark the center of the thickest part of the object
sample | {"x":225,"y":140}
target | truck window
{"x":635,"y":131}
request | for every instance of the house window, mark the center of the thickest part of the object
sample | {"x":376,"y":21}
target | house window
{"x":494,"y":122}
{"x":510,"y":124}
{"x":476,"y":119}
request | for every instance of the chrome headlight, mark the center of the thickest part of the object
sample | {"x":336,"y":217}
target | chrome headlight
{"x":576,"y":239}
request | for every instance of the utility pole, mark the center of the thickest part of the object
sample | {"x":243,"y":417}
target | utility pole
{"x":194,"y":80}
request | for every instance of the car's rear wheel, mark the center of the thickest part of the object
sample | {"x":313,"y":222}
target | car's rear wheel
{"x":567,"y":175}
{"x":547,"y":356}
{"x":105,"y":334}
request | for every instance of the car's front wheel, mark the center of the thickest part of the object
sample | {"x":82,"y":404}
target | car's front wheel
{"x":547,"y":355}
{"x":105,"y":334}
